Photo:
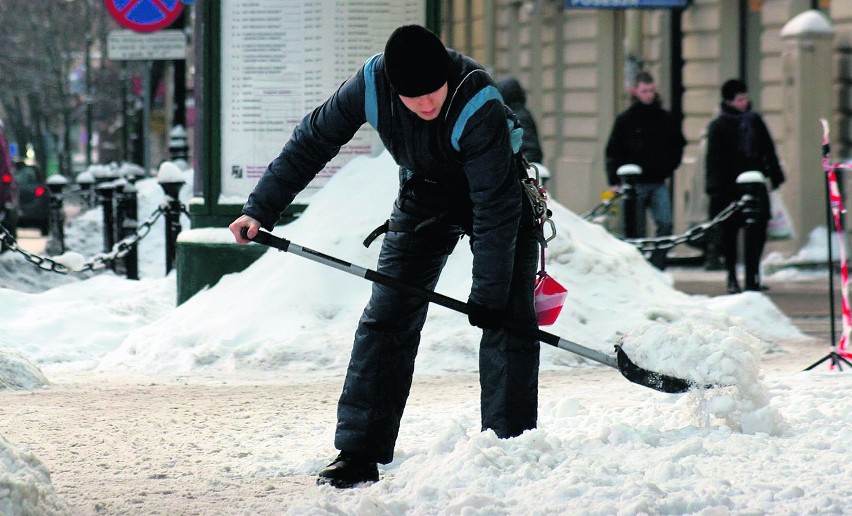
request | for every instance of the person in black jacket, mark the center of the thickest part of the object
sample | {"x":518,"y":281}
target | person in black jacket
{"x":515,"y":97}
{"x":739,"y":141}
{"x":649,"y":136}
{"x":440,"y":116}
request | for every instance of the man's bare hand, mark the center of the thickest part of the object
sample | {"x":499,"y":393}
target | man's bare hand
{"x":244,"y":221}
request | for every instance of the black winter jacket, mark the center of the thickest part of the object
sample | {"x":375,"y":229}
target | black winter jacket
{"x":648,"y":136}
{"x":738,"y":141}
{"x":462,"y":159}
{"x":516,"y":98}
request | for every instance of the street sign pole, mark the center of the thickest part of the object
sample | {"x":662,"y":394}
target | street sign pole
{"x":125,"y":134}
{"x":88,"y":98}
{"x":146,"y":117}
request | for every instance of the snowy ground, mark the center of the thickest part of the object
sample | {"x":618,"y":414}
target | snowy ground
{"x":226,"y":404}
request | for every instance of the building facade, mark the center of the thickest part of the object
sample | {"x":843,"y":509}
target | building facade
{"x":574,"y":64}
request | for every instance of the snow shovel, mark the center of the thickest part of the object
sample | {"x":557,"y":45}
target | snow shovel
{"x":657,"y":381}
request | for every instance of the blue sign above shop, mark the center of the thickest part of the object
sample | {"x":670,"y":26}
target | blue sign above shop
{"x":626,"y":4}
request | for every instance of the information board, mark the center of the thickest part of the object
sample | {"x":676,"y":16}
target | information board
{"x":281,"y":59}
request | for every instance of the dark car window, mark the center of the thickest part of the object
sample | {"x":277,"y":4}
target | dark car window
{"x":26,"y":175}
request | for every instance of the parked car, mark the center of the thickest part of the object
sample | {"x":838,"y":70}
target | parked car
{"x":8,"y":189}
{"x":34,"y":210}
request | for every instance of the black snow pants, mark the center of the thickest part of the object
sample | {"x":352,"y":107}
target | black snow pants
{"x":381,"y":366}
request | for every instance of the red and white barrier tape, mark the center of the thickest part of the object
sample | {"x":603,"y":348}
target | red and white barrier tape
{"x":836,"y":202}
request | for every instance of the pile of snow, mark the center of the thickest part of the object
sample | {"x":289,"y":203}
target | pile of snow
{"x":25,"y":486}
{"x":285,"y":312}
{"x":813,"y":256}
{"x":19,"y":373}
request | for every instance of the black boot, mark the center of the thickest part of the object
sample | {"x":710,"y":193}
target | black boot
{"x":733,"y":285}
{"x":712,"y":259}
{"x":753,"y":283}
{"x":348,"y":470}
{"x":757,"y":287}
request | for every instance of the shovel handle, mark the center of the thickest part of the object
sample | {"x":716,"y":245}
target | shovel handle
{"x":621,"y":361}
{"x":267,"y":239}
{"x":270,"y":240}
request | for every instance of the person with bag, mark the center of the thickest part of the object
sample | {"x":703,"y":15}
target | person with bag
{"x":440,"y":116}
{"x":739,"y":141}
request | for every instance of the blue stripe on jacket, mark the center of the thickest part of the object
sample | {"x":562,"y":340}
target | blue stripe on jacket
{"x":477,"y":101}
{"x":371,"y":103}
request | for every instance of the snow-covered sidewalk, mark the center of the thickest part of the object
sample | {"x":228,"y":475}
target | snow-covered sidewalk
{"x":252,"y":443}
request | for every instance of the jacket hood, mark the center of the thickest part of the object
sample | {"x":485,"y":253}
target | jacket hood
{"x":512,"y":91}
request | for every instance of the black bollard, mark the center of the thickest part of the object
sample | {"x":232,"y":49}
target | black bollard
{"x":628,"y":174}
{"x":86,"y":181}
{"x":752,"y":189}
{"x":56,"y":183}
{"x":118,"y":200}
{"x":118,"y":219}
{"x":129,"y":225}
{"x":171,"y":181}
{"x":105,"y":192}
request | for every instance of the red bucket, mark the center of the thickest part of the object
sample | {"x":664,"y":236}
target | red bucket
{"x":549,"y":298}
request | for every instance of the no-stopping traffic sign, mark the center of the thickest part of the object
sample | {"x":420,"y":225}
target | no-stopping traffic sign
{"x":144,"y":15}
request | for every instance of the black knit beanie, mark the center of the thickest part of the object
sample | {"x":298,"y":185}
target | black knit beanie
{"x":732,"y":87}
{"x":416,"y":61}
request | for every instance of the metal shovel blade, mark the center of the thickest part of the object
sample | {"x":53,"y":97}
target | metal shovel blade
{"x":657,"y":381}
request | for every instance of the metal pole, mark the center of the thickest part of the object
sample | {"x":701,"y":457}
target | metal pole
{"x":56,"y":183}
{"x":105,"y":191}
{"x":173,"y":228}
{"x":88,"y":100}
{"x":146,"y":118}
{"x":751,"y":239}
{"x":752,"y":187}
{"x":118,"y":219}
{"x":628,"y":174}
{"x":125,"y":134}
{"x":829,"y":235}
{"x":130,"y":207}
{"x":171,"y":187}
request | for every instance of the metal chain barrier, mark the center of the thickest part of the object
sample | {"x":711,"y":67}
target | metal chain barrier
{"x":124,"y":246}
{"x":692,"y":234}
{"x":97,"y":262}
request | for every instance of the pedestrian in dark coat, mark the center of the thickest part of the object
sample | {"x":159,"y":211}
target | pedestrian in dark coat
{"x":515,"y":97}
{"x":648,"y":136}
{"x":440,"y":116}
{"x":739,"y":141}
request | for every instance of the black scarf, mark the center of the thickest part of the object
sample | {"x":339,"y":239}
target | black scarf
{"x":745,"y":120}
